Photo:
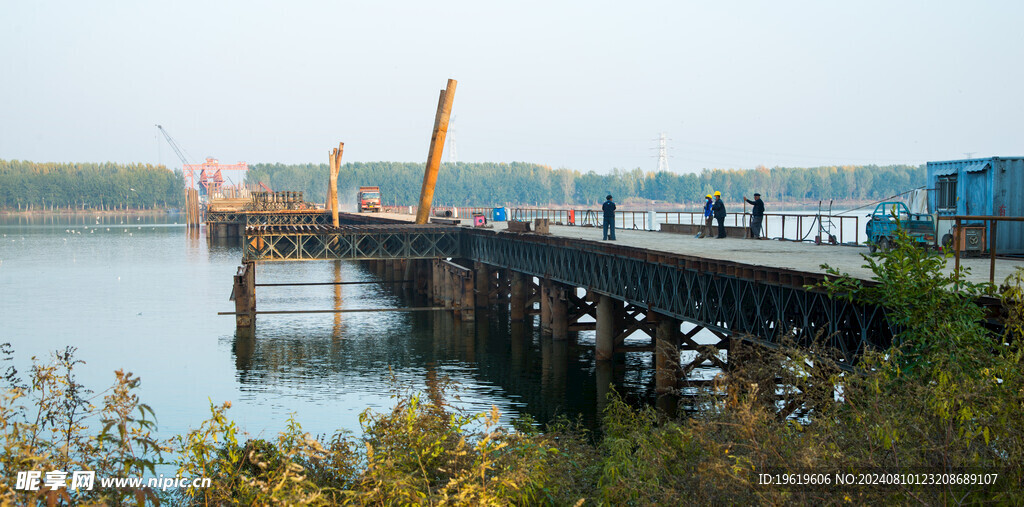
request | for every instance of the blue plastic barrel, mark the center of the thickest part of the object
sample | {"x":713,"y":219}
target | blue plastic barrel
{"x":499,"y":214}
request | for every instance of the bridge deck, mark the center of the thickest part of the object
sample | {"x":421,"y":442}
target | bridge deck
{"x":789,"y":255}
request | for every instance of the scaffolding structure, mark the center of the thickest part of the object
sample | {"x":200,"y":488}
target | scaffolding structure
{"x":211,"y":178}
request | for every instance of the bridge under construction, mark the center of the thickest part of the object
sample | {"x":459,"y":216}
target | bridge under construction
{"x":670,"y":287}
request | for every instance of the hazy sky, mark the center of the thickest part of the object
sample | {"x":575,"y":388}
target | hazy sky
{"x":583,"y":85}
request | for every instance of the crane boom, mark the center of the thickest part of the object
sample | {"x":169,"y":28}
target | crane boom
{"x":174,"y":145}
{"x":189,"y":175}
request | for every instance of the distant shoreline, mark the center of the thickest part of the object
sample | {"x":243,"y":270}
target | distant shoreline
{"x":65,"y":212}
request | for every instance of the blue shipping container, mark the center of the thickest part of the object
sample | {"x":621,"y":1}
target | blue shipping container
{"x":981,"y":186}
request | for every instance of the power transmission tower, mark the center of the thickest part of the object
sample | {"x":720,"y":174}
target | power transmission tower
{"x":663,"y":153}
{"x":969,"y":154}
{"x":453,"y":157}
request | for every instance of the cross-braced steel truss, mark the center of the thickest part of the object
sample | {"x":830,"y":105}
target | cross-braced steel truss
{"x":362,"y":242}
{"x":311,"y":217}
{"x":253,"y":218}
{"x":730,"y":303}
{"x":224,"y":217}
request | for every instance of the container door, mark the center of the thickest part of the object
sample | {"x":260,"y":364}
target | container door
{"x":978,"y":198}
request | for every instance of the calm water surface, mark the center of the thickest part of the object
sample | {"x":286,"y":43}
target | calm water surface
{"x":140,"y":294}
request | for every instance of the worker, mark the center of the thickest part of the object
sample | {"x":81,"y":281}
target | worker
{"x":719,"y":210}
{"x":708,"y":216}
{"x":609,"y":218}
{"x":756,"y":215}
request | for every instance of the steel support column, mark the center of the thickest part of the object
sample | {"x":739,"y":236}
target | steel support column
{"x":666,"y":356}
{"x":606,"y":328}
{"x":519,"y":296}
{"x":545,"y":306}
{"x":559,"y":313}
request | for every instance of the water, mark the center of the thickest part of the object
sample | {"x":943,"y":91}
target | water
{"x":141,"y":294}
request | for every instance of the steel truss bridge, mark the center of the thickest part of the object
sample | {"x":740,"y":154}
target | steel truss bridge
{"x":728,"y":297}
{"x":354,"y":242}
{"x":283,"y":217}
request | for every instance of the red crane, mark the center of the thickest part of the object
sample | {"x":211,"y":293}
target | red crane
{"x":211,"y":178}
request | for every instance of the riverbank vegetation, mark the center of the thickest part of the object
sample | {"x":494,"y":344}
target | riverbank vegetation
{"x":944,"y":399}
{"x":33,"y":186}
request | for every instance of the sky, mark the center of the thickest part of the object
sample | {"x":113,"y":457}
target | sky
{"x":581,"y":85}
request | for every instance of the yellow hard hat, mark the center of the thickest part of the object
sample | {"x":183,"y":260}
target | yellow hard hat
{"x":708,"y":196}
{"x":718,"y":193}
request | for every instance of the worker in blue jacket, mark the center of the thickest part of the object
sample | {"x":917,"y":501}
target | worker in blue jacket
{"x":609,"y":218}
{"x":719,"y":210}
{"x":708,"y":216}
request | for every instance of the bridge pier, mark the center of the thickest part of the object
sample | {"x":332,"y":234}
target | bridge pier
{"x":559,"y":313}
{"x":468,"y":299}
{"x":435,"y":281}
{"x":666,"y":355}
{"x":447,"y":286}
{"x":424,"y":277}
{"x":244,"y":294}
{"x":454,"y":286}
{"x":483,"y":275}
{"x":545,"y":306}
{"x":501,"y":287}
{"x":519,"y":295}
{"x":533,"y":296}
{"x":606,"y":328}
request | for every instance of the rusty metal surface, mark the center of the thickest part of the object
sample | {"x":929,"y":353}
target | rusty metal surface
{"x":363,"y":242}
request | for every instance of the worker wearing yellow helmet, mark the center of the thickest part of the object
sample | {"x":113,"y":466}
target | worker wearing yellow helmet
{"x":708,"y":218}
{"x":718,"y":209}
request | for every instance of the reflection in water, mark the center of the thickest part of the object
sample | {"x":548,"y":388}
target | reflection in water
{"x":493,"y":361}
{"x":150,"y":290}
{"x":337,"y":300}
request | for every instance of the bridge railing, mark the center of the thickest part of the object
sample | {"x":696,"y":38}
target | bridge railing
{"x":788,"y":226}
{"x":825,"y":228}
{"x":991,"y":224}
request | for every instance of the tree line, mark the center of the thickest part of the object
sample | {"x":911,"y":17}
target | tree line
{"x":33,"y":185}
{"x":485,"y":184}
